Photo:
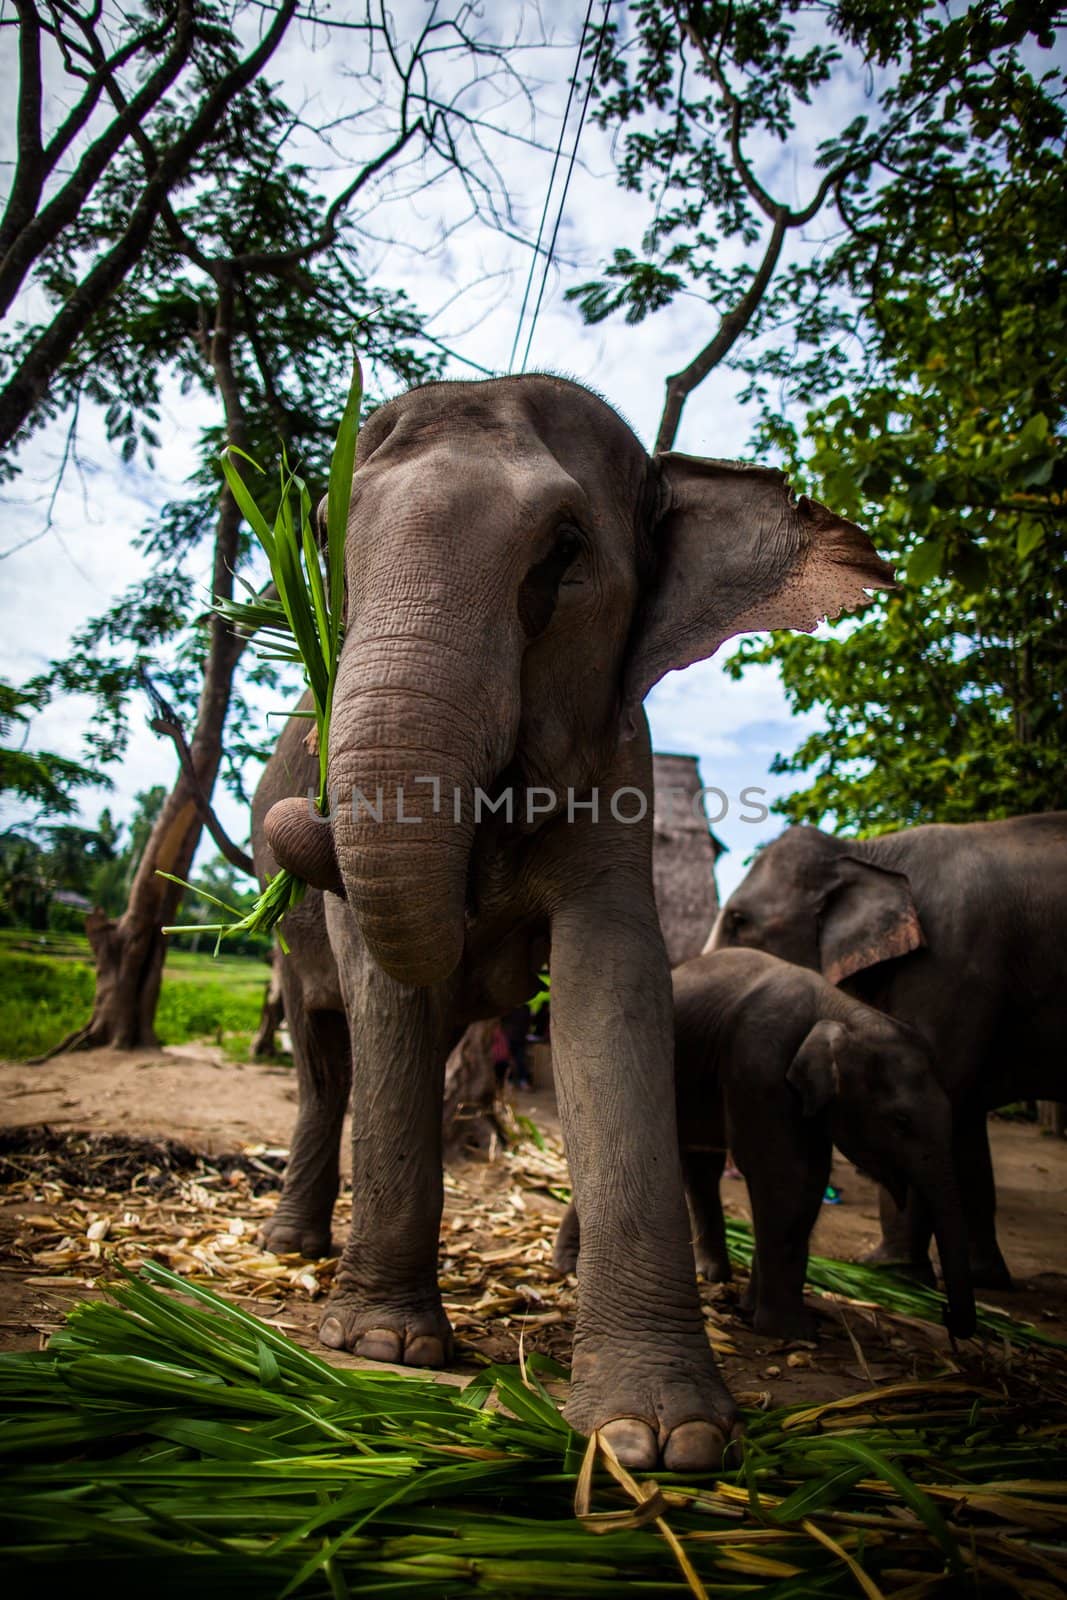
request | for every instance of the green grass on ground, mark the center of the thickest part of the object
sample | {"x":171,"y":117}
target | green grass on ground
{"x":170,"y":1442}
{"x":46,"y":991}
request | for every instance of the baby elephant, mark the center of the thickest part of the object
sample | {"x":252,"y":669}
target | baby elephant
{"x":774,"y":1061}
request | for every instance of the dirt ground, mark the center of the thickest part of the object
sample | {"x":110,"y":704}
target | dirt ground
{"x":61,"y":1221}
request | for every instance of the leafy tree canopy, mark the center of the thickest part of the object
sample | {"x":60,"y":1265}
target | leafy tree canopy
{"x":946,"y":702}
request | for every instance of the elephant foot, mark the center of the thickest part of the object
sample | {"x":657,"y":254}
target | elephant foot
{"x":669,"y":1408}
{"x":712,"y":1268}
{"x":414,"y":1335}
{"x":991,"y":1272}
{"x":887,"y":1255}
{"x":290,"y":1233}
{"x":787,"y":1323}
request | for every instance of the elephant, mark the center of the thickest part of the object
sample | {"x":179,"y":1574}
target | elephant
{"x":960,"y":930}
{"x":519,"y":574}
{"x":773,"y":1062}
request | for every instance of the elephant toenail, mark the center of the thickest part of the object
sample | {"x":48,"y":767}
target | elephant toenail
{"x":380,"y":1344}
{"x":694,"y":1447}
{"x":424,"y":1351}
{"x":633,"y":1441}
{"x":331,"y":1333}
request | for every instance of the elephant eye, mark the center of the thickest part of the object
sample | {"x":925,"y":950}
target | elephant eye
{"x":540,"y":588}
{"x":567,"y":549}
{"x":901,"y":1121}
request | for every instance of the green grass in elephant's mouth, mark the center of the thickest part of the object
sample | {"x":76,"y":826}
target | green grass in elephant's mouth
{"x":305,"y":624}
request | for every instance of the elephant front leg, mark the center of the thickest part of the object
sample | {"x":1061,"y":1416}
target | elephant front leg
{"x":786,"y":1192}
{"x":643,"y":1371}
{"x":906,"y":1234}
{"x":703,"y":1170}
{"x":386,"y":1304}
{"x":978,"y":1190}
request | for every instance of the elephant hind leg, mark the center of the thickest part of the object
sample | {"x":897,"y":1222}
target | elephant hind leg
{"x":703,"y":1173}
{"x":322,"y":1056}
{"x":568,"y":1239}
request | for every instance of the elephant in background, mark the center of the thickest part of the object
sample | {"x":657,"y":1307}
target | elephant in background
{"x":773,"y":1061}
{"x":519,"y":573}
{"x":959,"y":930}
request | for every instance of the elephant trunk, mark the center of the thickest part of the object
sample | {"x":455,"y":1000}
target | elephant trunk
{"x":950,"y":1231}
{"x":414,"y":734}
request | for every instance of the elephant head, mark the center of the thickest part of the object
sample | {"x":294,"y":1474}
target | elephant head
{"x":816,"y":901}
{"x":873,"y":1078}
{"x":520,"y":573}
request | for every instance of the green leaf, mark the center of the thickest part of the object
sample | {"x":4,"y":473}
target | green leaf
{"x":924,"y":563}
{"x":1030,"y":537}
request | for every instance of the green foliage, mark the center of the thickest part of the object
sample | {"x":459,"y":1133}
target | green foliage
{"x":44,"y":780}
{"x":947,"y":701}
{"x":38,"y":861}
{"x":698,"y":98}
{"x":45,"y":996}
{"x":304,"y":624}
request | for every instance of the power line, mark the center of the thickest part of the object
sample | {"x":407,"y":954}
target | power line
{"x":570,"y":171}
{"x":548,"y":191}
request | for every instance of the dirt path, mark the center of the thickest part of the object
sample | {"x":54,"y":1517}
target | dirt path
{"x":500,"y":1218}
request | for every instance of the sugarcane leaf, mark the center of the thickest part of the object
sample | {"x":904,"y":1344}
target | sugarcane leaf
{"x":246,"y":503}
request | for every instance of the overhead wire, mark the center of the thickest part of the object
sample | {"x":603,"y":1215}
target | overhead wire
{"x":548,"y":192}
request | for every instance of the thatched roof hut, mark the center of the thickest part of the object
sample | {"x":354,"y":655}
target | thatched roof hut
{"x":684,"y":853}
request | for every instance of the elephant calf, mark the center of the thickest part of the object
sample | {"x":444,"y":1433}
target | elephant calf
{"x":775,"y":1061}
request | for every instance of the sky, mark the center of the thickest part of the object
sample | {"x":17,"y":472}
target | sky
{"x":470,"y":279}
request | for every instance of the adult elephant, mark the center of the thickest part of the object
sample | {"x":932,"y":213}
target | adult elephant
{"x":519,"y":574}
{"x":958,"y":929}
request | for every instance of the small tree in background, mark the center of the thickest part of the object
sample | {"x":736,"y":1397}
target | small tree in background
{"x":247,"y":292}
{"x":932,"y":314}
{"x":163,"y":76}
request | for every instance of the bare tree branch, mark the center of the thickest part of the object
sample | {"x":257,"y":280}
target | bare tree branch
{"x":731,"y":327}
{"x":30,"y":381}
{"x":166,"y":722}
{"x":42,"y":230}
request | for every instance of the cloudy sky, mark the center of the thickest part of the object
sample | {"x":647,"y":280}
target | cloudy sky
{"x":469,"y":277}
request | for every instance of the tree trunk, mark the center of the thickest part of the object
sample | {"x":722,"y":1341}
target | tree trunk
{"x":129,"y":951}
{"x":273,"y":1013}
{"x":1052,"y":1115}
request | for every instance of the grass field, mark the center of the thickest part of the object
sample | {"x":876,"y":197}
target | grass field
{"x":46,"y":990}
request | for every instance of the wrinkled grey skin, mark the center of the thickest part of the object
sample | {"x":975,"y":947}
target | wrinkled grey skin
{"x":959,"y":930}
{"x":519,"y":574}
{"x":777,"y":1064}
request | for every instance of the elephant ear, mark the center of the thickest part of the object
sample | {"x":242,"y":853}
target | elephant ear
{"x":868,"y":916}
{"x":737,"y":552}
{"x":815,"y":1070}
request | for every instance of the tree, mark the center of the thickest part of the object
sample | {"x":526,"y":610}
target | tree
{"x":248,"y":291}
{"x":706,"y":85}
{"x":704,"y":97}
{"x":947,"y":701}
{"x":172,"y":72}
{"x":37,"y":776}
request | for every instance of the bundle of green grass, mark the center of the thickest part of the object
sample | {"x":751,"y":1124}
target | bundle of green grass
{"x":169,"y":1442}
{"x":305,"y":624}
